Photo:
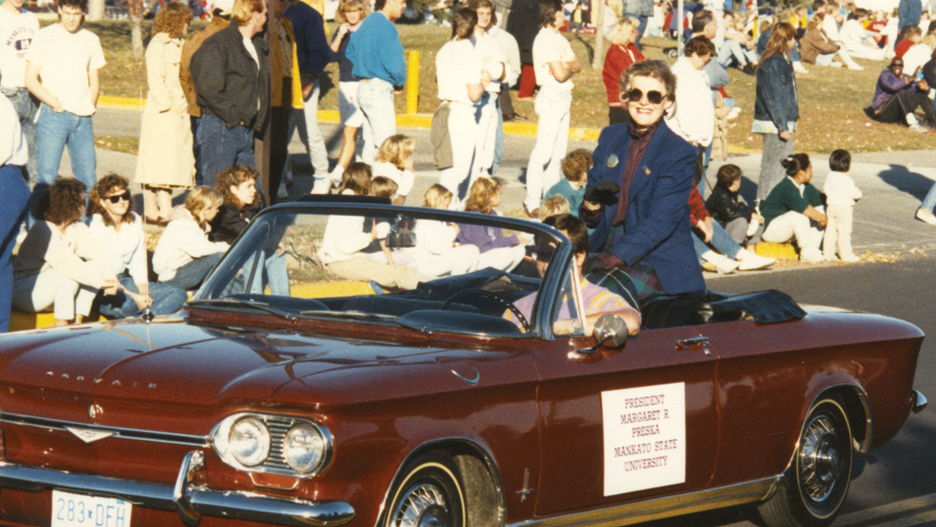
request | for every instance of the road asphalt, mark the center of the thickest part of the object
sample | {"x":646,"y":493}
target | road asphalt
{"x":893,"y":183}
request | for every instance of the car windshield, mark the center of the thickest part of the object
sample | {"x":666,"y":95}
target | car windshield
{"x":426,"y":269}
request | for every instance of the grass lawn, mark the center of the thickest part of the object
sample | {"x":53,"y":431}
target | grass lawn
{"x":831,"y":99}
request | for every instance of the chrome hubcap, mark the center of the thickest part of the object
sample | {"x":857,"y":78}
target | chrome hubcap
{"x":422,"y":506}
{"x":820,"y":459}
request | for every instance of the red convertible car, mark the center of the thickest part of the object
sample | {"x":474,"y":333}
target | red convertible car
{"x":483,"y":398}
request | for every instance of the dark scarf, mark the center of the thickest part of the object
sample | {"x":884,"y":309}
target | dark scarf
{"x":640,"y":138}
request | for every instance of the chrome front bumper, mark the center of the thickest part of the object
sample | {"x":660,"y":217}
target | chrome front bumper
{"x":188,"y":500}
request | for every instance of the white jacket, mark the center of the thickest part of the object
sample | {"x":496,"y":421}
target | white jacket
{"x":182,"y":242}
{"x":694,"y":116}
{"x":840,"y":189}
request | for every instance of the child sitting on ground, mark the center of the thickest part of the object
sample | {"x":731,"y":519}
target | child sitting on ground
{"x":395,"y":161}
{"x":841,"y":194}
{"x":497,"y":250}
{"x":575,"y":168}
{"x":554,"y":205}
{"x":740,"y":221}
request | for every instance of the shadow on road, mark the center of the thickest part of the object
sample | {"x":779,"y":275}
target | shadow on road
{"x":906,"y":181}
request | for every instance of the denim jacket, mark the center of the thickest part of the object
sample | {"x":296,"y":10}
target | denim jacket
{"x":775,"y":100}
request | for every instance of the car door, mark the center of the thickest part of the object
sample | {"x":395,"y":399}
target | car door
{"x":626,"y":424}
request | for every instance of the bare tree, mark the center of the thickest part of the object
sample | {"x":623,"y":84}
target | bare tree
{"x":598,"y":20}
{"x":137,"y":9}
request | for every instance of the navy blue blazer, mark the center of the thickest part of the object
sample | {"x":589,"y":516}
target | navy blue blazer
{"x":656,"y":226}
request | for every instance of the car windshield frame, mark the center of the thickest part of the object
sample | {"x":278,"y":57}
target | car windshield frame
{"x":548,"y":295}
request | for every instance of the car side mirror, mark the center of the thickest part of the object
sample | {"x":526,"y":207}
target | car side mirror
{"x":610,"y":331}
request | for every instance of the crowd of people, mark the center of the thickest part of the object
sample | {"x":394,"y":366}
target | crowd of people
{"x":640,"y":193}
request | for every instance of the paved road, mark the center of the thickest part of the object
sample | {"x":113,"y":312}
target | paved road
{"x":893,"y":485}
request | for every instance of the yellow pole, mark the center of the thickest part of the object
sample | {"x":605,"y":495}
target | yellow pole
{"x":412,"y":83}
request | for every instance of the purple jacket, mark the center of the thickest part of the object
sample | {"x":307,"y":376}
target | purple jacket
{"x":485,"y":238}
{"x":887,"y":86}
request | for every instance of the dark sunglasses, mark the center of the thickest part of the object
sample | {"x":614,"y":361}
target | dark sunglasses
{"x":897,"y":65}
{"x":117,"y":197}
{"x":635,"y":95}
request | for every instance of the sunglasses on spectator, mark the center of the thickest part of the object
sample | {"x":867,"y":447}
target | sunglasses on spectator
{"x":635,"y":95}
{"x":117,"y":197}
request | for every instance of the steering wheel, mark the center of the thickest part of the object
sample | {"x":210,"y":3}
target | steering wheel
{"x":477,"y":293}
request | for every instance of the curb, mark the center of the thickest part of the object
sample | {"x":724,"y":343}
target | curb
{"x":421,"y":121}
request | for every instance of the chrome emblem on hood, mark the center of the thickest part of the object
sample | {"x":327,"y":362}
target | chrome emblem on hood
{"x":88,"y":436}
{"x":94,"y":411}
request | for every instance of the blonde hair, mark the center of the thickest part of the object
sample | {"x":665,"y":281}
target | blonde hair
{"x":201,"y":199}
{"x":395,"y":150}
{"x":929,"y":40}
{"x":351,"y":5}
{"x":383,"y":187}
{"x":479,"y":197}
{"x":623,"y":31}
{"x":435,"y":196}
{"x":553,"y":205}
{"x":244,"y":9}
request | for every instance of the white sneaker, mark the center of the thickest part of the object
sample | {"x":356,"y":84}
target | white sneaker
{"x":335,"y":176}
{"x":851,"y":259}
{"x":733,"y":113}
{"x":918,"y":128}
{"x":321,"y":186}
{"x":813,"y":256}
{"x":751,"y":261}
{"x":856,"y":67}
{"x":723,"y":264}
{"x":837,"y":65}
{"x":926,"y":216}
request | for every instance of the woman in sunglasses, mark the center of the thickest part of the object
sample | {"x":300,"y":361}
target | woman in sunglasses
{"x":638,"y":188}
{"x":60,"y":265}
{"x":119,"y":231}
{"x":897,"y":96}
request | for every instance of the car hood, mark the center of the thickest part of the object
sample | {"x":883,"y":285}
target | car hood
{"x":174,"y":362}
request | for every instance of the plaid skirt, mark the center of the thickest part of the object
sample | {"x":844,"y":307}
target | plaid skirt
{"x":636,"y":283}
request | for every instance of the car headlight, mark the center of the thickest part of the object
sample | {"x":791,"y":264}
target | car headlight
{"x":249,"y":441}
{"x":304,"y":448}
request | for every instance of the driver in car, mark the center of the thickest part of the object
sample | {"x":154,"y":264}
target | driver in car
{"x":597,"y":300}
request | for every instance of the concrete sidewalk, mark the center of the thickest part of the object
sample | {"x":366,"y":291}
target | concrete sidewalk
{"x":893,"y":183}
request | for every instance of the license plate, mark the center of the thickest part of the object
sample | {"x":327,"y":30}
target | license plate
{"x":72,"y":510}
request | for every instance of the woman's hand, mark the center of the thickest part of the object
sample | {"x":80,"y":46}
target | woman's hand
{"x":755,"y":217}
{"x":280,"y":250}
{"x":707,"y":229}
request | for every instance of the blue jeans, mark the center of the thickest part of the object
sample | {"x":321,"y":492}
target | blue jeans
{"x":220,"y":148}
{"x":27,"y":107}
{"x":499,"y":141}
{"x":15,"y":194}
{"x":275,"y":275}
{"x":721,"y":241}
{"x":56,"y":130}
{"x":375,"y":96}
{"x":929,"y":202}
{"x":193,"y":273}
{"x":167,"y":299}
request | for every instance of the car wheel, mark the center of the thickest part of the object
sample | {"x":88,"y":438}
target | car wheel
{"x":429,"y":495}
{"x":815,"y":486}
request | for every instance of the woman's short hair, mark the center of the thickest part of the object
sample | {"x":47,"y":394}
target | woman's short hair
{"x":244,"y":9}
{"x":555,"y":204}
{"x":103,"y":187}
{"x":173,"y":19}
{"x":357,"y":179}
{"x":727,"y":175}
{"x":396,"y":148}
{"x":435,"y":196}
{"x":700,"y":46}
{"x":62,"y":203}
{"x":816,"y":21}
{"x":351,"y":5}
{"x":463,"y":23}
{"x":233,"y":177}
{"x":480,"y":194}
{"x":576,"y":164}
{"x":655,"y":69}
{"x":382,"y":187}
{"x":794,"y":163}
{"x":623,"y":31}
{"x":201,"y":199}
{"x":547,"y":12}
{"x":840,"y":161}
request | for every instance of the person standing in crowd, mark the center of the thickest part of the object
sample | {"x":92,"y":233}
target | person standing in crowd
{"x":60,"y":265}
{"x":376,"y":53}
{"x":555,"y":64}
{"x":220,"y":19}
{"x":776,"y":108}
{"x":461,"y":79}
{"x":285,"y":98}
{"x":523,"y":25}
{"x":622,"y":53}
{"x":909,"y":13}
{"x":15,"y":192}
{"x":165,"y":161}
{"x":312,"y":54}
{"x":17,"y":29}
{"x":119,"y":231}
{"x":636,"y":199}
{"x":62,"y":72}
{"x":350,"y":14}
{"x":495,"y":64}
{"x":640,"y":10}
{"x":232,"y":83}
{"x":511,"y":52}
{"x":694,"y":118}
